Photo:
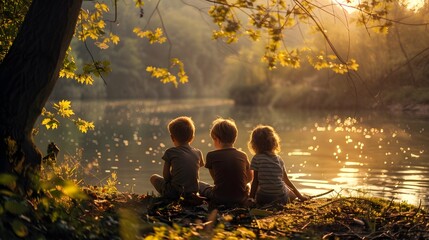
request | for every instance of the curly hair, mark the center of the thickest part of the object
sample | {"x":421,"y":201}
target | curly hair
{"x":264,"y":139}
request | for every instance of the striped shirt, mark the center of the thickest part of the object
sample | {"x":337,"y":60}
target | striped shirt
{"x":270,"y":170}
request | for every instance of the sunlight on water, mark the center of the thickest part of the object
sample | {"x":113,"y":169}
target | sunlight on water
{"x":384,"y":155}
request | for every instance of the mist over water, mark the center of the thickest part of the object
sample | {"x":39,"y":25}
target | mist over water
{"x":354,"y":153}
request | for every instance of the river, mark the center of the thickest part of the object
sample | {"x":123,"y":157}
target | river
{"x":355,"y":153}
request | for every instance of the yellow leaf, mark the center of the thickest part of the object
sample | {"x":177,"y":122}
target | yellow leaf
{"x":65,"y":104}
{"x":101,"y":24}
{"x":46,"y":121}
{"x":54,"y":125}
{"x":139,"y":3}
{"x":101,"y":45}
{"x":19,"y":228}
{"x":114,"y":38}
{"x":102,"y":7}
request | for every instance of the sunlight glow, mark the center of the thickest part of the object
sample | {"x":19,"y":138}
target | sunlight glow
{"x":414,"y":4}
{"x":348,"y":5}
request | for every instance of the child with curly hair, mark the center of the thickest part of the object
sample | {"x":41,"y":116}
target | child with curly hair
{"x":270,"y":181}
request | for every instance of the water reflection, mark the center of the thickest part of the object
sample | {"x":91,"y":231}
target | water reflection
{"x":384,"y":155}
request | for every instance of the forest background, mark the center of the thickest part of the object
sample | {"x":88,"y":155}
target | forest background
{"x":392,"y":65}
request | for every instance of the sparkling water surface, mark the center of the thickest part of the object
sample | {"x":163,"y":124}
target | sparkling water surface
{"x":355,"y":153}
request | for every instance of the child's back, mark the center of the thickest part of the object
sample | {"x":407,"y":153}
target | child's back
{"x":229,"y":167}
{"x":270,"y":183}
{"x":270,"y":174}
{"x":182,"y":162}
{"x":185,"y":162}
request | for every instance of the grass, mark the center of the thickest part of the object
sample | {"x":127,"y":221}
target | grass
{"x":105,"y":214}
{"x":326,"y":218}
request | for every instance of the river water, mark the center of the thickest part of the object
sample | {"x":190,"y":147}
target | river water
{"x":355,"y":153}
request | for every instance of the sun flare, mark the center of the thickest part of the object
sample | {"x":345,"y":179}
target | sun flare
{"x":414,"y":4}
{"x":348,"y":5}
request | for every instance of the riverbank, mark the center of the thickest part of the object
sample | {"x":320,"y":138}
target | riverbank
{"x":418,"y":109}
{"x":325,"y":218}
{"x":102,"y":214}
{"x":398,"y":99}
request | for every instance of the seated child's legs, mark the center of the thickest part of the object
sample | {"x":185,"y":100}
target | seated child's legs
{"x":157,"y":182}
{"x":263,"y":199}
{"x":165,"y":189}
{"x":288,"y":196}
{"x":205,"y":190}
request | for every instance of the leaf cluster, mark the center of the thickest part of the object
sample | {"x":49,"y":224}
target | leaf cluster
{"x":273,"y":20}
{"x":57,"y":207}
{"x":12,"y":15}
{"x":166,"y":76}
{"x":156,"y":36}
{"x":63,"y":109}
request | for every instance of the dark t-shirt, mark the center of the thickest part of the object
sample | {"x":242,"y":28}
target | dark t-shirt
{"x":185,"y":162}
{"x":229,"y":167}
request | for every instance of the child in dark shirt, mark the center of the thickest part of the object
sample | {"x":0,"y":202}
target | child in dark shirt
{"x":229,"y":167}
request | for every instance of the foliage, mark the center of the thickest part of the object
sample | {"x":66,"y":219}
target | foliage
{"x":91,"y":26}
{"x":153,"y":36}
{"x":273,"y":19}
{"x":58,"y":207}
{"x":166,"y":76}
{"x":276,"y":25}
{"x":387,"y":65}
{"x":63,"y":109}
{"x":89,"y":70}
{"x":12,"y":15}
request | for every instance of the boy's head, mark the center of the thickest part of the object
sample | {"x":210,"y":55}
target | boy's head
{"x":224,"y":130}
{"x":182,"y":129}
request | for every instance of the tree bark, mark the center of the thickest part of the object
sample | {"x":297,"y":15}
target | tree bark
{"x":28,"y":74}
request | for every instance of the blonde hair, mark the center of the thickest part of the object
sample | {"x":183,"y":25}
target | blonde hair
{"x":182,"y":129}
{"x":225,"y":130}
{"x":264,"y":139}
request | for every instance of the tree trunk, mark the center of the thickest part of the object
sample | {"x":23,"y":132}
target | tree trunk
{"x":28,"y":74}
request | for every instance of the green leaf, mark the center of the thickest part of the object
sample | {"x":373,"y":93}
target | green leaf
{"x":72,"y":190}
{"x":19,"y":228}
{"x":56,"y":193}
{"x":260,"y":212}
{"x":15,"y":207}
{"x":7,"y":179}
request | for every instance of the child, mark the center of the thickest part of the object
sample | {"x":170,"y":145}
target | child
{"x":229,"y":167}
{"x":182,"y":162}
{"x":270,"y":183}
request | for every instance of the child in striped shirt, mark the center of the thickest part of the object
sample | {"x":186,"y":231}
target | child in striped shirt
{"x":270,"y":183}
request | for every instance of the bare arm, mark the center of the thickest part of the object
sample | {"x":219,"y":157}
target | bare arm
{"x":201,"y":160}
{"x":292,"y":187}
{"x":255,"y":184}
{"x":166,"y":172}
{"x":249,"y":175}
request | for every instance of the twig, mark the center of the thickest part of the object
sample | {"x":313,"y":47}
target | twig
{"x":321,"y":194}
